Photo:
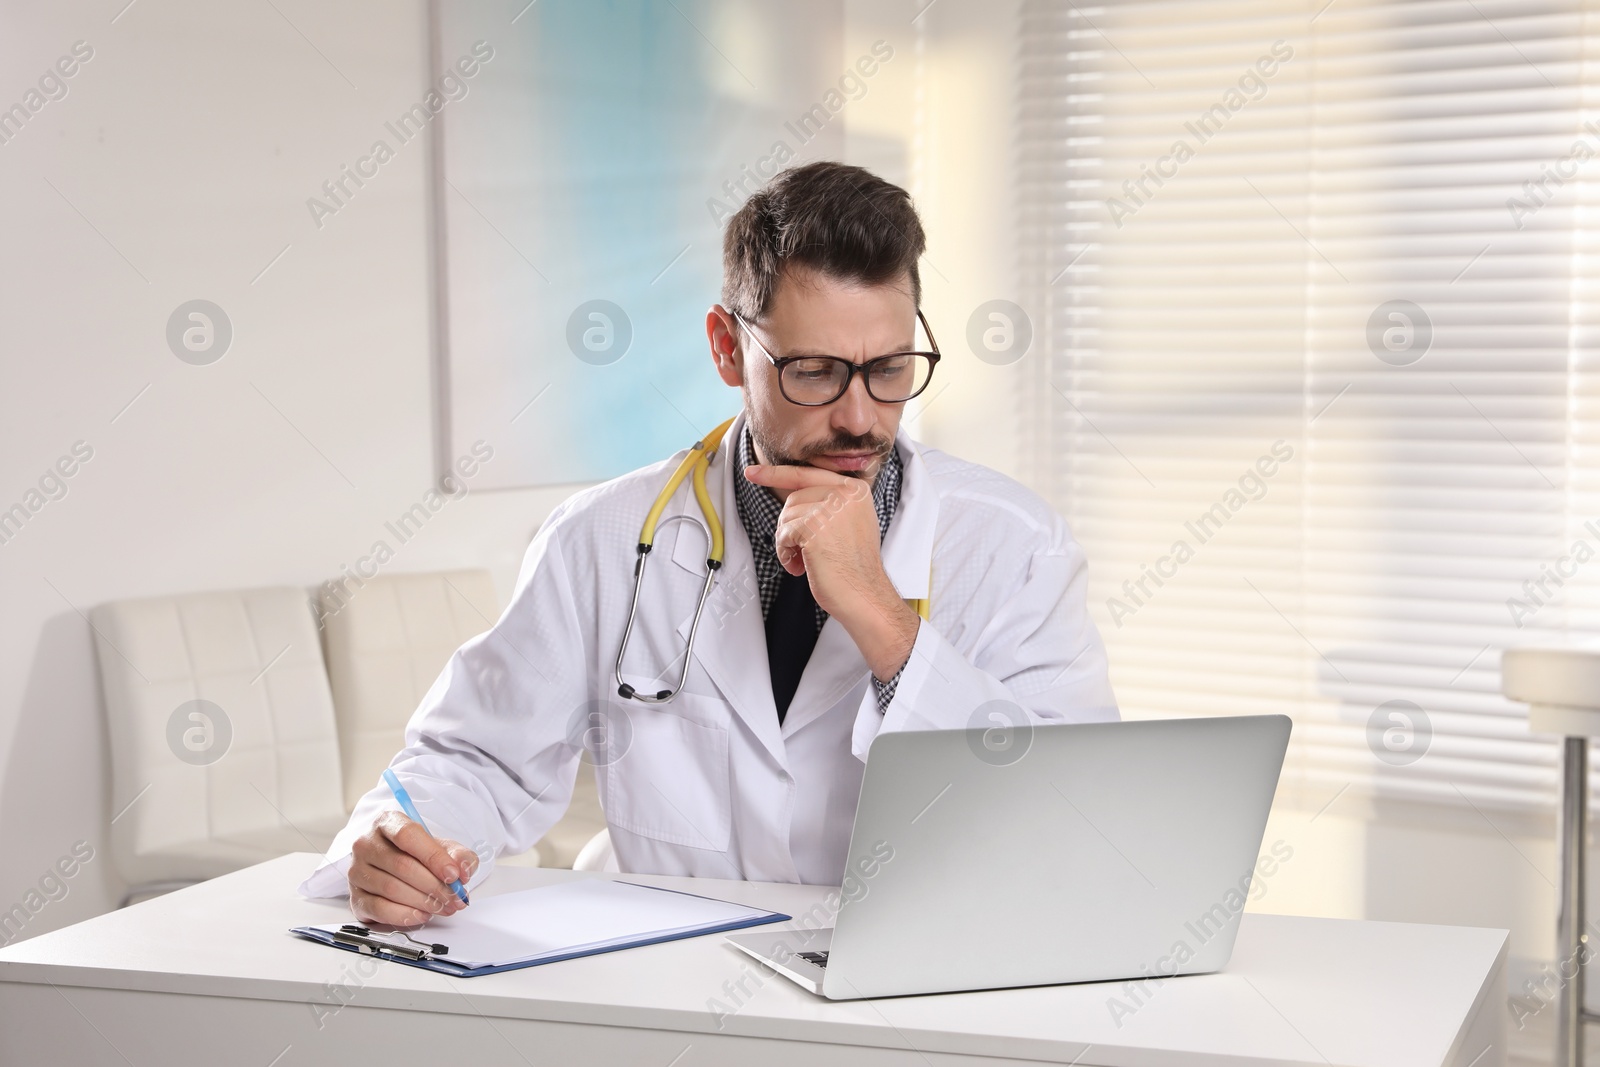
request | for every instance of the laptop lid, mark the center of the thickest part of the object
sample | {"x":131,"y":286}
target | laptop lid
{"x":985,"y":859}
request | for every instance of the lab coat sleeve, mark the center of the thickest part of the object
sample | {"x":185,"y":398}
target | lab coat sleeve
{"x":1037,"y":658}
{"x":491,"y":752}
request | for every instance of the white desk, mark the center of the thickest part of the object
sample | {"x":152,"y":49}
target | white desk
{"x":209,"y":975}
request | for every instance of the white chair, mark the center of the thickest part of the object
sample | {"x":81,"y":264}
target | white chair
{"x":387,"y":641}
{"x":597,"y":855}
{"x":202,"y":789}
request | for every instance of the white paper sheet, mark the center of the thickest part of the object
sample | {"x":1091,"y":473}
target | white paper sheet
{"x":571,"y":917}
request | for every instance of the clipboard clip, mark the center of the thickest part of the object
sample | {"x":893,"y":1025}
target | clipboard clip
{"x":364,"y":941}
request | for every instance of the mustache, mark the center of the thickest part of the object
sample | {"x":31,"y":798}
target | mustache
{"x":878,"y":446}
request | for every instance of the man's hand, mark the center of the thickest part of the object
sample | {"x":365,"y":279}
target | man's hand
{"x":828,"y":531}
{"x":400,"y":875}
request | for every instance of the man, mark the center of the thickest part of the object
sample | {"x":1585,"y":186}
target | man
{"x":833,"y":518}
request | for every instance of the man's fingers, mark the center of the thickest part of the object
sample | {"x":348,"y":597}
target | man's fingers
{"x":791,"y":554}
{"x":796,"y":527}
{"x":409,"y":870}
{"x":785,"y":476}
{"x":379,"y":883}
{"x":464,"y":857}
{"x":792,"y":560}
{"x":790,"y":539}
{"x":811,"y":494}
{"x":374,"y":909}
{"x":412,"y":839}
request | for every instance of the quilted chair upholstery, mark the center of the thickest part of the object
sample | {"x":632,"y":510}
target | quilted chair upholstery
{"x":386,"y":642}
{"x":202,"y":789}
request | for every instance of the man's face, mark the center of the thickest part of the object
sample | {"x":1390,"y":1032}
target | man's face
{"x":814,"y":315}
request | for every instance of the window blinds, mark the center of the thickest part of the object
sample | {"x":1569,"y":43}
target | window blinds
{"x":1318,"y":382}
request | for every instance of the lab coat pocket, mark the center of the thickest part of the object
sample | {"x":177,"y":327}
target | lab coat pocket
{"x":672,"y":783}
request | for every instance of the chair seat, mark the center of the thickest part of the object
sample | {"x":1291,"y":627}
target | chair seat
{"x":226,"y":853}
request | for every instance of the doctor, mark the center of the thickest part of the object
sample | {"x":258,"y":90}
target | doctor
{"x":836,"y":523}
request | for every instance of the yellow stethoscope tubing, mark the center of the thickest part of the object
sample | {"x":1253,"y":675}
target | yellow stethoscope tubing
{"x":697,"y":461}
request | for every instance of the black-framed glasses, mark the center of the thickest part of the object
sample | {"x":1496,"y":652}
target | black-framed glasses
{"x":813,"y":381}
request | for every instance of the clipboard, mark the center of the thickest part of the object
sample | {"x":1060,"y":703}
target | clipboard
{"x":600,"y":915}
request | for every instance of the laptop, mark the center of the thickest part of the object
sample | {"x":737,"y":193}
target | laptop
{"x":1017,"y":856}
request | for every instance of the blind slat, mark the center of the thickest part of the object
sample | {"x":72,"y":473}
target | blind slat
{"x":1203,"y":294}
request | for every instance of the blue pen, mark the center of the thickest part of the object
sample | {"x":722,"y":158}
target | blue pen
{"x":410,"y":809}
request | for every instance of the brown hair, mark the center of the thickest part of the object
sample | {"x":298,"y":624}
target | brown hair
{"x":842,"y":221}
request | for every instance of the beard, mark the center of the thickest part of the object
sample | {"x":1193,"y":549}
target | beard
{"x":839,"y":442}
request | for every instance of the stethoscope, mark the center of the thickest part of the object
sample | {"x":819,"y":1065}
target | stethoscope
{"x":694,"y":466}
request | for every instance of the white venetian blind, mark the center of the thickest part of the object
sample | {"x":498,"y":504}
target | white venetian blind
{"x":1317,"y":380}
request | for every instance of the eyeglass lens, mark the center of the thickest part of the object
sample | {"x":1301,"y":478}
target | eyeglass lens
{"x":822,"y":379}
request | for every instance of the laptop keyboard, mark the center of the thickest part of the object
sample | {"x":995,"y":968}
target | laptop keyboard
{"x":818,"y":958}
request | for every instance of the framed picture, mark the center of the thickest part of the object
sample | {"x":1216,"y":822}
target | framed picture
{"x":586,"y":156}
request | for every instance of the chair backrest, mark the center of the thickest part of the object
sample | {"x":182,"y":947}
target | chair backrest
{"x":220,"y":717}
{"x":386,"y":643}
{"x":597,"y":855}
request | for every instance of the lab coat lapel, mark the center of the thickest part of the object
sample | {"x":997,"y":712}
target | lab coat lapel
{"x":908,"y":548}
{"x":836,"y":665}
{"x":731,"y":646}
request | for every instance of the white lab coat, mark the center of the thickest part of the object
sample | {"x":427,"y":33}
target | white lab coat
{"x":709,"y":784}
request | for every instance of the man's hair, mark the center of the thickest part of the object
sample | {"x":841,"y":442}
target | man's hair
{"x":844,"y":222}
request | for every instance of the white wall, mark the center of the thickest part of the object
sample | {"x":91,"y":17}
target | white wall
{"x":181,"y":159}
{"x":946,"y":102}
